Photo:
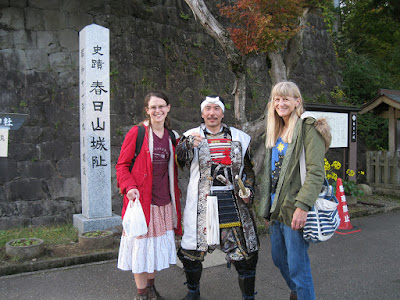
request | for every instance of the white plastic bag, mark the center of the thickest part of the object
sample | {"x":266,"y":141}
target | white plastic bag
{"x":134,"y":222}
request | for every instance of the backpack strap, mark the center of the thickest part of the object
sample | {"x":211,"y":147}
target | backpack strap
{"x":172,"y":136}
{"x":139,"y":143}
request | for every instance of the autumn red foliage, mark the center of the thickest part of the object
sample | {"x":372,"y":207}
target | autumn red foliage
{"x":262,"y":25}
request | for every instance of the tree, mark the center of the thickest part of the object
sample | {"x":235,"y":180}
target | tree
{"x":265,"y":28}
{"x":369,"y":49}
{"x":262,"y":26}
{"x":235,"y":59}
{"x":370,"y":34}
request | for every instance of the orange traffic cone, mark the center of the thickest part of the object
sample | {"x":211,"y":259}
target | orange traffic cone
{"x":343,"y":210}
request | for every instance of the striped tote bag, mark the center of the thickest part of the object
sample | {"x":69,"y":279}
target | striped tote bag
{"x":323,"y":219}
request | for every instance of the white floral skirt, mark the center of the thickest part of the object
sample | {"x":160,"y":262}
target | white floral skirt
{"x":155,"y":250}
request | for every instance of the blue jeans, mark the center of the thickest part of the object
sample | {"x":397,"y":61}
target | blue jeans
{"x":289,"y":253}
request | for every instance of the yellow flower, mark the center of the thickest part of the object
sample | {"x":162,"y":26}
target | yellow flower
{"x":336,"y":165}
{"x":327,"y":166}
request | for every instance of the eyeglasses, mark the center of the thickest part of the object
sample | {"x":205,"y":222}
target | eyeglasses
{"x":160,"y":107}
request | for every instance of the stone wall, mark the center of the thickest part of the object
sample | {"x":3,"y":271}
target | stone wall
{"x":155,"y":44}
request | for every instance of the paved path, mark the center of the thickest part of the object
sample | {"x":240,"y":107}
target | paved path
{"x":363,"y":265}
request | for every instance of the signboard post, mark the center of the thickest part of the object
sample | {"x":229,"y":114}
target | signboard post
{"x":4,"y":142}
{"x":343,"y":123}
{"x":8,"y":121}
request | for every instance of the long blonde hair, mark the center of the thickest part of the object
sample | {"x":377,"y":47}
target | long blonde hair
{"x":275,"y":123}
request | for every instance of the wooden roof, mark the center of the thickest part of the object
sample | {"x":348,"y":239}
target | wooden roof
{"x":382,"y":103}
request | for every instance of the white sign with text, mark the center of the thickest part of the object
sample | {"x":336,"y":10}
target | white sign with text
{"x":339,"y":123}
{"x":4,"y":142}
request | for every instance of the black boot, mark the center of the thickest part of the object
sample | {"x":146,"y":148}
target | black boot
{"x":193,"y":270}
{"x":192,"y":295}
{"x":246,"y":284}
{"x":247,"y":276}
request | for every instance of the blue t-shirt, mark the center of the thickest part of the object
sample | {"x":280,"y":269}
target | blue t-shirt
{"x":278,"y":153}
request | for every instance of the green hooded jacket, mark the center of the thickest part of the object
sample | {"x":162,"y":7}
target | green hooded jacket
{"x":290,"y":194}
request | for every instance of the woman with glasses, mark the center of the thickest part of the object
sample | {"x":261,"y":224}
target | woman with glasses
{"x":153,"y":180}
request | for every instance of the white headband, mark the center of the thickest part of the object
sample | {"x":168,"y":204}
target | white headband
{"x":210,"y":100}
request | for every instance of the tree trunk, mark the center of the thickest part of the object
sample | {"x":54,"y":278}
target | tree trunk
{"x":235,"y":59}
{"x":258,"y":158}
{"x":218,"y":32}
{"x":278,"y":68}
{"x":237,"y":64}
{"x":294,"y":47}
{"x":239,"y":93}
{"x":281,"y":65}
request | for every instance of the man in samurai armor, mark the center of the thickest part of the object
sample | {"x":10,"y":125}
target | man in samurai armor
{"x":219,"y":197}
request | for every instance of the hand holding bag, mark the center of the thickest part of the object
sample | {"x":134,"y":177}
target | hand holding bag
{"x":134,"y":222}
{"x":323,"y":218}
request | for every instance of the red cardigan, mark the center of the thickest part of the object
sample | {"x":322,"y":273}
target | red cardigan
{"x":141,"y":176}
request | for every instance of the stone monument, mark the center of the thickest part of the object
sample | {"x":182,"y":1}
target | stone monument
{"x":94,"y":106}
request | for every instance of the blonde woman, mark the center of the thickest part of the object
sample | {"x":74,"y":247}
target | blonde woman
{"x":285,"y":201}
